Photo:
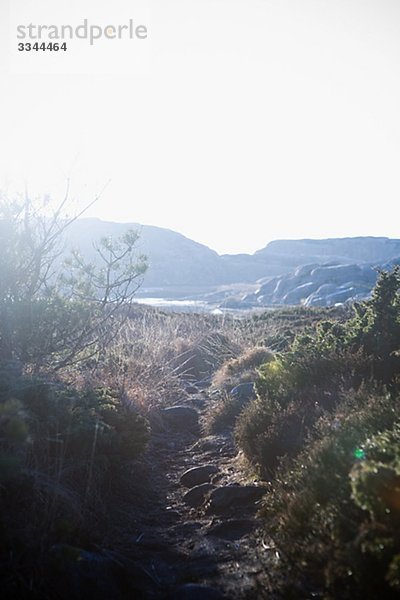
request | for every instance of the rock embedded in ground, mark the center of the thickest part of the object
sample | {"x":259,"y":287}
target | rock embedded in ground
{"x":172,"y":515}
{"x":214,"y":445}
{"x":196,"y":496}
{"x":244,"y":392}
{"x":207,"y":443}
{"x":181,"y":418}
{"x":196,"y":591}
{"x":198,"y":475}
{"x":232,"y":529}
{"x":233,"y":496}
{"x":188,"y":528}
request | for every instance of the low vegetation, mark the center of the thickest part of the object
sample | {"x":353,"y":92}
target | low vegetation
{"x":82,"y":368}
{"x":324,"y":429}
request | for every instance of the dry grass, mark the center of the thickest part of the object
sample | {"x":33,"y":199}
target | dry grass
{"x":68,"y":490}
{"x":241,"y":369}
{"x":156,"y":353}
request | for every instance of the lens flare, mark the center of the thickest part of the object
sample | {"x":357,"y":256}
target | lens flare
{"x":359,"y":454}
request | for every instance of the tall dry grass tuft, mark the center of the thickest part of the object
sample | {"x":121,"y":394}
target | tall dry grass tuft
{"x":242,"y":368}
{"x":156,"y":354}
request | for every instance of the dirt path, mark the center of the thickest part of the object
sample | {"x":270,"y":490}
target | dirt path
{"x":217,"y":547}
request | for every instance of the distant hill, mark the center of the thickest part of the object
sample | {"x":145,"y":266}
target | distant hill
{"x":174,"y":259}
{"x":180,"y":264}
{"x":357,"y":249}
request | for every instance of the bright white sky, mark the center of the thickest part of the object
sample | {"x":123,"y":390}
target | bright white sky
{"x":235,"y":123}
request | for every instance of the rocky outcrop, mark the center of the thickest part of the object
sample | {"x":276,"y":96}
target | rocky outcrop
{"x":320,"y":285}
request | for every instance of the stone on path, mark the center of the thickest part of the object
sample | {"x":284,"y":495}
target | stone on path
{"x":232,"y":529}
{"x":214,"y":445}
{"x":244,"y":392}
{"x":196,"y":591}
{"x":198,"y":475}
{"x":181,"y":418}
{"x":196,"y":496}
{"x":233,"y":496}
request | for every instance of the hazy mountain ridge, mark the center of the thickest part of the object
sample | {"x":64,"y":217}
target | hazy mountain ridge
{"x":364,"y":249}
{"x":305,"y":271}
{"x":174,"y":259}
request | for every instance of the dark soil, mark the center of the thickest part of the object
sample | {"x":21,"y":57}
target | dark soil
{"x":171,"y":544}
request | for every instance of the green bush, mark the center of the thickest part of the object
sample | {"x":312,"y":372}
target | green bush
{"x":375,"y":485}
{"x":376,"y":326}
{"x":322,"y":412}
{"x":93,"y":425}
{"x":375,"y":480}
{"x":62,"y":453}
{"x":310,"y":512}
{"x":304,"y":382}
{"x":294,"y":391}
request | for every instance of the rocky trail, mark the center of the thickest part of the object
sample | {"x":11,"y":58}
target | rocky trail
{"x":194,"y":532}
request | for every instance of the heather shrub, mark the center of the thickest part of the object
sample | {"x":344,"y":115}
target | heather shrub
{"x":294,"y":390}
{"x":375,"y":479}
{"x":94,"y":426}
{"x":376,"y":327}
{"x":277,"y":329}
{"x":322,"y":532}
{"x":304,"y":382}
{"x":375,"y":485}
{"x":266,"y":430}
{"x":252,"y":425}
{"x":316,"y":360}
{"x":62,"y":452}
{"x":324,"y":428}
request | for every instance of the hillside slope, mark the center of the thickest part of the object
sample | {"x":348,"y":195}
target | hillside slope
{"x":180,"y":266}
